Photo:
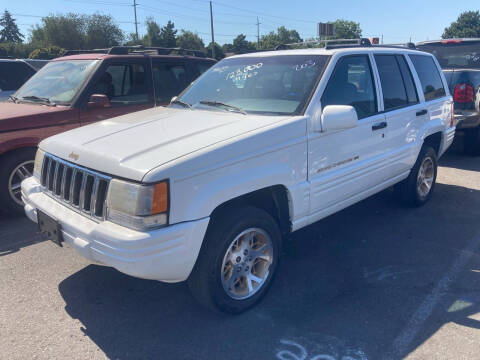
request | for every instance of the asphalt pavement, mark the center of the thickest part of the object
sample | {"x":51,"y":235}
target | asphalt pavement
{"x":375,"y":281}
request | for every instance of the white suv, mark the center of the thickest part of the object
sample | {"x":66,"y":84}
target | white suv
{"x":259,"y":146}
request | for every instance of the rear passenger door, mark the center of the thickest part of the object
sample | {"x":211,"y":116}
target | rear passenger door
{"x":403,"y":112}
{"x":170,"y":78}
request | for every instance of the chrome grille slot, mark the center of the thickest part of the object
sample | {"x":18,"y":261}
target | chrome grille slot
{"x":78,"y":188}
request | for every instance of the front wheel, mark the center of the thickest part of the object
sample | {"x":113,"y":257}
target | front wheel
{"x":237,"y":262}
{"x":418,"y":187}
{"x":14,"y":168}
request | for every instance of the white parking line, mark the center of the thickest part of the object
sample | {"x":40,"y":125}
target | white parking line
{"x":407,"y":335}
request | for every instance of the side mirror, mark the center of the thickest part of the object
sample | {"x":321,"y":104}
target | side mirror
{"x":339,"y":117}
{"x":97,"y":101}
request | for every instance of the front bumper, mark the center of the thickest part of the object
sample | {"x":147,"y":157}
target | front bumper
{"x":166,"y":254}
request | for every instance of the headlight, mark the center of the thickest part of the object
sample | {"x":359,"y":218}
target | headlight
{"x":37,"y":168}
{"x":138,"y":206}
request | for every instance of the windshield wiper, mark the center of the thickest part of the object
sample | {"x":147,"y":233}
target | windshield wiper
{"x":34,"y":98}
{"x":13,"y":98}
{"x":183,"y":103}
{"x":220,"y":104}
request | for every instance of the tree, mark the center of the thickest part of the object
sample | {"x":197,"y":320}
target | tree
{"x":282,"y":36}
{"x":241,"y":45}
{"x":73,"y":31}
{"x":190,"y":40}
{"x":10,"y":32}
{"x":48,"y":53}
{"x":152,"y":37}
{"x":345,"y":29}
{"x":168,"y":35}
{"x":101,"y":32}
{"x":467,"y":25}
{"x":163,"y":37}
{"x":218,"y":51}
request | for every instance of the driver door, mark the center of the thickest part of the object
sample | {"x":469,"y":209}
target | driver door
{"x":127,"y":86}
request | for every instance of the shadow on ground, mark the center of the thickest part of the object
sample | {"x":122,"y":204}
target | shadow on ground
{"x":17,"y":232}
{"x":346,"y":287}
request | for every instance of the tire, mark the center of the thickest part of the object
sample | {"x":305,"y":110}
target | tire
{"x":14,"y":168}
{"x":472,"y":142}
{"x":219,"y":278}
{"x":409,"y":191}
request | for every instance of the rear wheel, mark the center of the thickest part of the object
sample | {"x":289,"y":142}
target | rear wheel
{"x":417,"y":189}
{"x":14,"y":168}
{"x":472,"y":141}
{"x":237,"y":263}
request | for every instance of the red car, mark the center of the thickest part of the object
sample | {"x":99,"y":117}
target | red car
{"x":79,"y":89}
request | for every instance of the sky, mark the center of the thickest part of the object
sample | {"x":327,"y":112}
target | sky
{"x":397,"y":21}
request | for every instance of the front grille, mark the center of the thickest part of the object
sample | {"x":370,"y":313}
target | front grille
{"x":75,"y":186}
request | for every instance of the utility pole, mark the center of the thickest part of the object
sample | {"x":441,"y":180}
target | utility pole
{"x":135,"y":12}
{"x":258,"y":33}
{"x":211,"y":26}
{"x":382,"y":39}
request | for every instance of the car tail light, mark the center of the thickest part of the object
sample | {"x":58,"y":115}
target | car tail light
{"x":463,"y":93}
{"x":451,"y":41}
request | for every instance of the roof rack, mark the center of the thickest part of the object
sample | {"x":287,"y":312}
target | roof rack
{"x":139,"y":50}
{"x":329,"y":44}
{"x":345,"y":43}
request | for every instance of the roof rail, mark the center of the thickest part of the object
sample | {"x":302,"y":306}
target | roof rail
{"x":138,"y":49}
{"x":329,"y":44}
{"x":408,"y":45}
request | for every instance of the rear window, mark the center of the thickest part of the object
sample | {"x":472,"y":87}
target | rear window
{"x":13,"y":75}
{"x":429,"y":75}
{"x":455,"y":55}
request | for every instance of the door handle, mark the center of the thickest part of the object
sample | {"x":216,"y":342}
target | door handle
{"x":422,"y":112}
{"x":379,"y":126}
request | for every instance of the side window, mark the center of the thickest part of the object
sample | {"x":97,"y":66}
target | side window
{"x":408,"y":80}
{"x":429,"y":76}
{"x":169,"y":80}
{"x":13,"y":75}
{"x":124,"y":84}
{"x":394,"y":93}
{"x":352,"y":84}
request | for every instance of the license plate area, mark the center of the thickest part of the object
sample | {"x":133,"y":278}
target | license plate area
{"x":49,"y":228}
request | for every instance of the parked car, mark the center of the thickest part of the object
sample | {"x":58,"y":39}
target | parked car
{"x":14,"y":73}
{"x":259,"y":146}
{"x":460,"y":61}
{"x":80,"y":89}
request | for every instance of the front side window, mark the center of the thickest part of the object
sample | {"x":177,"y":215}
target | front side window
{"x":429,"y":76}
{"x":169,"y":80}
{"x":269,"y":85}
{"x":123,"y":84}
{"x":352,"y":84}
{"x":57,"y":82}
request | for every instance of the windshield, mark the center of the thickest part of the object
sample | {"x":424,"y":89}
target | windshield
{"x":274,"y":85}
{"x":58,"y":81}
{"x":455,"y":54}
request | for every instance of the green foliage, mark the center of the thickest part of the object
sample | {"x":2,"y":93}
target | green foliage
{"x":241,"y":45}
{"x":190,"y":40}
{"x":466,"y":26}
{"x":9,"y":32}
{"x":345,"y":29}
{"x":47,"y":53}
{"x":73,"y":31}
{"x":282,"y":36}
{"x":156,"y":36}
{"x":15,"y":50}
{"x":218,"y":51}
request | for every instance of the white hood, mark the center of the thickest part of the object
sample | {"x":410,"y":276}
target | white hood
{"x":130,"y":145}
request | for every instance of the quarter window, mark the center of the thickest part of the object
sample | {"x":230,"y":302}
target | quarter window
{"x":352,"y":84}
{"x":429,"y":76}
